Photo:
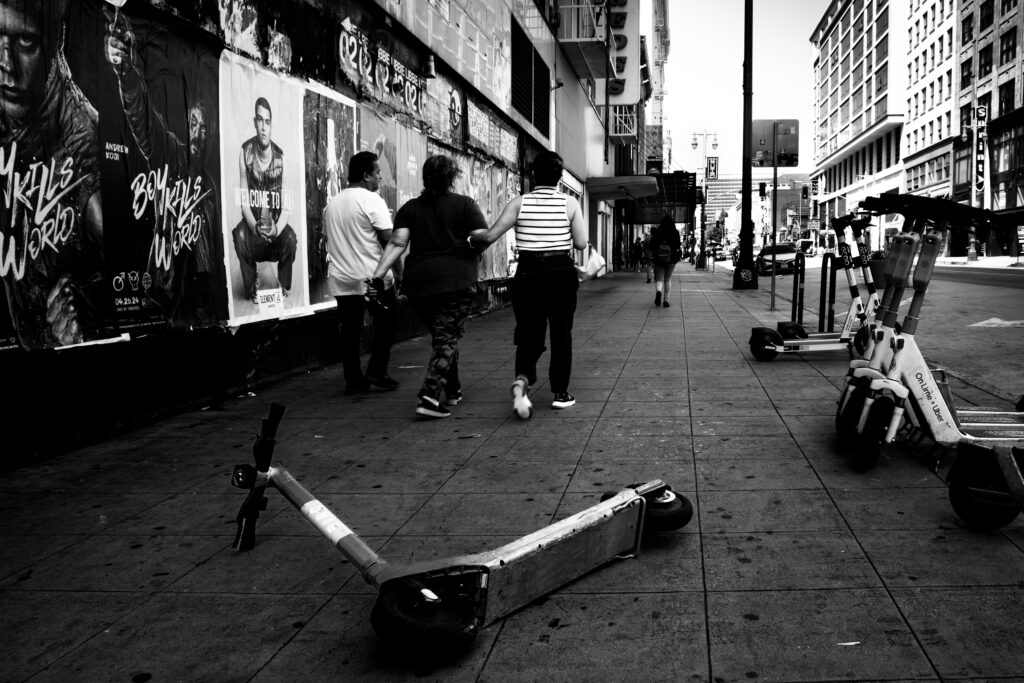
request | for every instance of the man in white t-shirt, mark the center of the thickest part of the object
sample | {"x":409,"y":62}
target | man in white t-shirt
{"x":357,"y":223}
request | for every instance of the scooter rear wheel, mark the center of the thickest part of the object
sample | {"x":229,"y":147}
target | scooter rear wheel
{"x":759,"y":348}
{"x":403,"y":616}
{"x":976,"y":492}
{"x":667,"y":511}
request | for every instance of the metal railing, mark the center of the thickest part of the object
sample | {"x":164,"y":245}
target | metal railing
{"x":623,"y":120}
{"x":581,"y":21}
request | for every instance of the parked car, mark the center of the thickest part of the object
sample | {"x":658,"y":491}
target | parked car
{"x":785,"y":258}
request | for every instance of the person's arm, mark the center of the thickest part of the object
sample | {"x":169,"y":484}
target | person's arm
{"x":577,"y":226}
{"x":398,"y":242}
{"x":480,"y":240}
{"x":380,"y":218}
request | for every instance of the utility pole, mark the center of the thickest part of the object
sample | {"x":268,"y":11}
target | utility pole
{"x":744,"y":276}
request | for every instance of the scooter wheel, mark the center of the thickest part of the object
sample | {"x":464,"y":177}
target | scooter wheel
{"x":759,"y":350}
{"x":860,"y":341}
{"x":667,"y":511}
{"x":870,"y":444}
{"x":847,"y":417}
{"x":404,"y":617}
{"x":979,"y":494}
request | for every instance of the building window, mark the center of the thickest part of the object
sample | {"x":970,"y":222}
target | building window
{"x":966,"y":116}
{"x":966,"y":73}
{"x":967,"y":29}
{"x":531,"y":81}
{"x":1008,"y":46}
{"x":985,"y":61}
{"x":986,"y":14}
{"x":1007,"y":5}
{"x":1006,"y":98}
{"x":986,"y":101}
{"x":882,"y":79}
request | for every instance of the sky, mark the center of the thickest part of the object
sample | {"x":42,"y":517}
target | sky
{"x":704,"y":75}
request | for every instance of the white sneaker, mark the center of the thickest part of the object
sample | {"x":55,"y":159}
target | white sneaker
{"x":521,"y":398}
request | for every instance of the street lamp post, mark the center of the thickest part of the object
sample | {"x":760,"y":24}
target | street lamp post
{"x":977,"y":132}
{"x":702,"y":258}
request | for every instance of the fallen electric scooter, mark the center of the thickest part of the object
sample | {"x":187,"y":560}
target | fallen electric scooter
{"x":790,"y":336}
{"x":439,"y":606}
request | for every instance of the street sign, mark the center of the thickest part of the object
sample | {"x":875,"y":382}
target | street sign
{"x":712,"y":170}
{"x":787,"y":138}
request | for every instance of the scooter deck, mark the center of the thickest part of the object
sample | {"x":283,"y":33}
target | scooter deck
{"x":539,"y":563}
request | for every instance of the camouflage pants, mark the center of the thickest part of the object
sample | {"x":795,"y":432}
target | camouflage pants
{"x":445,"y":317}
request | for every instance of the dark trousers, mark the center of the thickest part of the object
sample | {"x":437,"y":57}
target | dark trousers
{"x":350,"y":313}
{"x":251,"y":249}
{"x":445,"y":316}
{"x":543,"y":294}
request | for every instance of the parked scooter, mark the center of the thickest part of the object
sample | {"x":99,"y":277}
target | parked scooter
{"x":900,"y":391}
{"x":438,"y":606}
{"x":790,"y":336}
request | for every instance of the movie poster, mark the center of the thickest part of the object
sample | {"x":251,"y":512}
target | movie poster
{"x":263,"y":179}
{"x":377,"y":134}
{"x":158,"y":132}
{"x":330,"y":141}
{"x":51,"y":216}
{"x":411,"y":152}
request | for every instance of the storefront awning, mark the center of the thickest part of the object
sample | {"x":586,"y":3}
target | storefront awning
{"x":610,"y":188}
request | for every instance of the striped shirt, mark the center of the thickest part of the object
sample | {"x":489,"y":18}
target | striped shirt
{"x":543,"y":221}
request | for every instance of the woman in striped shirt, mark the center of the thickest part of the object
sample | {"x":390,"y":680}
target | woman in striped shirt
{"x":548,"y":225}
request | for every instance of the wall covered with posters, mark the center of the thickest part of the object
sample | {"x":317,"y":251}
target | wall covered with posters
{"x":153,"y":179}
{"x":164,"y":166}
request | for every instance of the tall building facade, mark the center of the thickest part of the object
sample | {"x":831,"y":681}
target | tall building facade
{"x":931,"y":120}
{"x":990,"y":73}
{"x":660,"y":43}
{"x":859,"y":94}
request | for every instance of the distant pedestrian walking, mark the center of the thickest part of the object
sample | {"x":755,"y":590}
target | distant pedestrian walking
{"x":548,"y":225}
{"x":440,"y":275}
{"x":636,"y":255}
{"x":667,"y":250}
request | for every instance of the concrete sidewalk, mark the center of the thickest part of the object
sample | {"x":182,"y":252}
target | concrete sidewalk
{"x":117,"y":563}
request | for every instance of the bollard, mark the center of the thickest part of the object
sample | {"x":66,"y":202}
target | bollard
{"x":827,"y":298}
{"x":799,"y":269}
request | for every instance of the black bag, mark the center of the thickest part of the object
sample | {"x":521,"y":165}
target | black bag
{"x":663,"y":254}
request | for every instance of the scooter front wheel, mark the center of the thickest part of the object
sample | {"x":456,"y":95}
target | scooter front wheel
{"x":847,"y":417}
{"x":869,"y":445}
{"x":979,"y":494}
{"x":406,"y":616}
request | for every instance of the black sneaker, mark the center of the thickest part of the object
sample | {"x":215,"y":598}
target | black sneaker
{"x":665,"y":303}
{"x":563,"y":400}
{"x":657,"y":298}
{"x":453,"y":398}
{"x":429,"y":407}
{"x":384,"y":382}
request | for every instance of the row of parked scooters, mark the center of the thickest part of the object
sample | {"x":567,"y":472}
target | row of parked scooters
{"x":890,"y":391}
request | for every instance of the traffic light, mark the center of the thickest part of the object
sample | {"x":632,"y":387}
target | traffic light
{"x":762,"y":190}
{"x":803,"y":192}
